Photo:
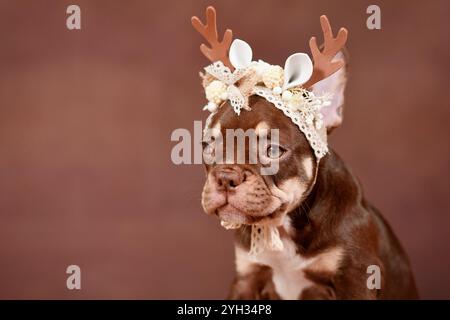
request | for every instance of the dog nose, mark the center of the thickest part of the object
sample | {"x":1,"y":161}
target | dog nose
{"x":228,"y":179}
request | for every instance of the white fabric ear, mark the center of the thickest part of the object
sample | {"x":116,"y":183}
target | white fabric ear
{"x":297,"y":70}
{"x":240,"y":54}
{"x":334,"y":84}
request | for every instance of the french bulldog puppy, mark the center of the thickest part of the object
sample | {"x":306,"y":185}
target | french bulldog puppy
{"x":331,"y":235}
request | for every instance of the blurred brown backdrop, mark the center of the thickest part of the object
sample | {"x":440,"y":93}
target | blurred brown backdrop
{"x":85,"y":123}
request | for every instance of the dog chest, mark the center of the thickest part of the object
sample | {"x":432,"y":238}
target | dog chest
{"x":287,"y":268}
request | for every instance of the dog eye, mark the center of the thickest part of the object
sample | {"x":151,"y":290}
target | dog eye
{"x":275,"y":151}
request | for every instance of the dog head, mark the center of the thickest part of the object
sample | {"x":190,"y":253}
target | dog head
{"x":236,"y":189}
{"x":238,"y":192}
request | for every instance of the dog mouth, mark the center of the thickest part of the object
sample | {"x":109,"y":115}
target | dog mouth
{"x":249,"y":203}
{"x":232,"y":214}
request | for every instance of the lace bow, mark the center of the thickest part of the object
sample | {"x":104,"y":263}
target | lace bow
{"x":237,"y":99}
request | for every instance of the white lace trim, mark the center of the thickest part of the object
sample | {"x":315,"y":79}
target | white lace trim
{"x":263,"y":237}
{"x":320,"y":147}
{"x":219,"y":71}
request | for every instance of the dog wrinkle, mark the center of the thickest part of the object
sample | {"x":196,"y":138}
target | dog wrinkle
{"x":253,"y":196}
{"x":290,"y":192}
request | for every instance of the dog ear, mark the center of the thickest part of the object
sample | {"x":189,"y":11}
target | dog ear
{"x":334,"y":84}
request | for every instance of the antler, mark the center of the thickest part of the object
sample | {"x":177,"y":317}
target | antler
{"x":218,"y":50}
{"x":323,"y":64}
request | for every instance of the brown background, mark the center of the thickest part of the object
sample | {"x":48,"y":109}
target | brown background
{"x":86,"y":116}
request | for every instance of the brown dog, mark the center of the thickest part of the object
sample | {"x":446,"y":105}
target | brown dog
{"x":330,"y":233}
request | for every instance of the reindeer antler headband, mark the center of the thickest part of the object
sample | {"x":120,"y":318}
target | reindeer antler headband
{"x":233,"y":76}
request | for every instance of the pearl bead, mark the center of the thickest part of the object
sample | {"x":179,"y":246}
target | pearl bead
{"x":287,"y":95}
{"x":277,"y":90}
{"x":224,"y":96}
{"x":211,"y":107}
{"x":319,"y":124}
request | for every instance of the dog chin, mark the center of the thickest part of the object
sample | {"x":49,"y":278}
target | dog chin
{"x":231,"y":214}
